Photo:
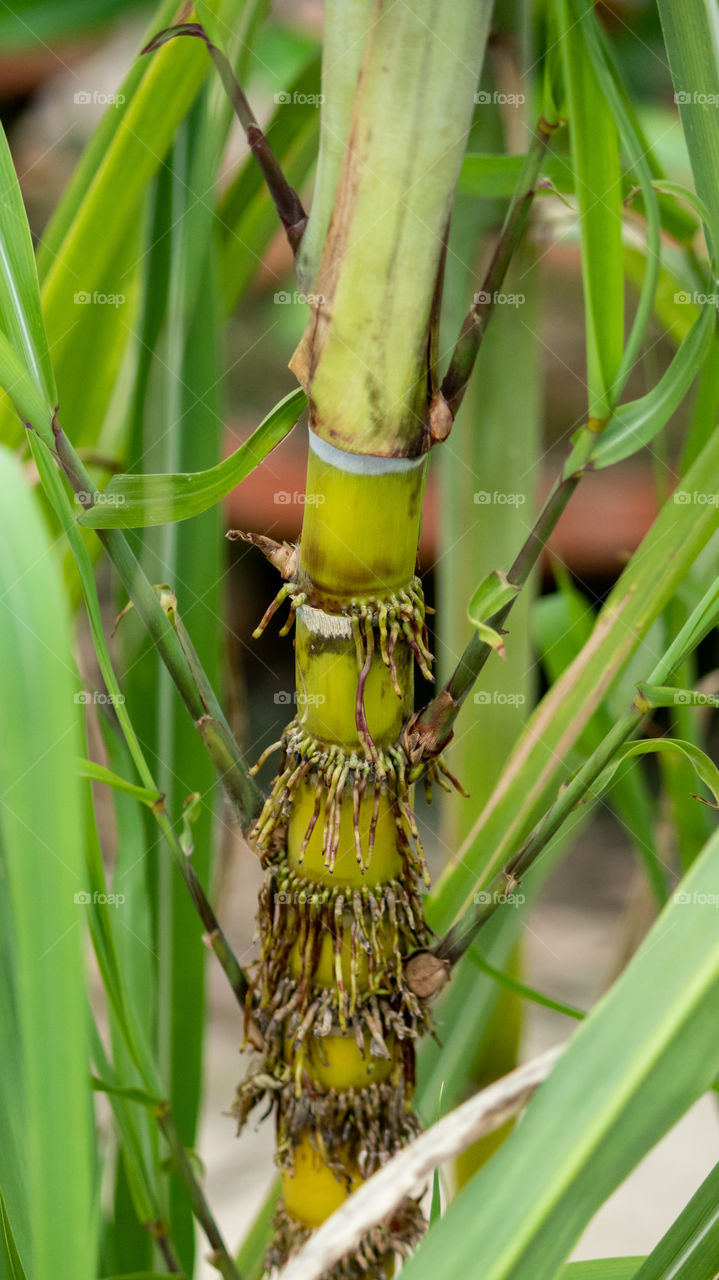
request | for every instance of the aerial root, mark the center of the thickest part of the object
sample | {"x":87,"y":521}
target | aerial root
{"x":338,"y":774}
{"x":372,"y":930}
{"x":398,"y":1235}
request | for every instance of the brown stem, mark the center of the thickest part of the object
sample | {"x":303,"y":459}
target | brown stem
{"x":475,"y":322}
{"x":286,"y":199}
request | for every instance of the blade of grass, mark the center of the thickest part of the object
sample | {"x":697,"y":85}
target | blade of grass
{"x":689,"y":1249}
{"x":595,"y":161}
{"x":41,"y":832}
{"x":608,"y":1101}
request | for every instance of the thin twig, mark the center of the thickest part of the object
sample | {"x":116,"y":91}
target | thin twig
{"x":440,"y":714}
{"x":200,"y":700}
{"x":475,"y":322}
{"x":459,"y":938}
{"x":220,"y":1257}
{"x":286,"y":199}
{"x":407,"y":1173}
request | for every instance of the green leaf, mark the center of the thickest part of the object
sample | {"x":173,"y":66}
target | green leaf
{"x":657,"y":695}
{"x":492,"y":594}
{"x":490,"y":176}
{"x":595,"y":160}
{"x":191,"y":810}
{"x":602,"y":1269}
{"x":139,"y":501}
{"x":41,"y":837}
{"x":16,"y":379}
{"x":20,"y":314}
{"x":143,"y":1275}
{"x":251,"y":1257}
{"x":691,"y":37}
{"x":98,"y":773}
{"x":643,"y":1056}
{"x":636,"y":424}
{"x":704,"y":768}
{"x":8,"y":1250}
{"x":690,"y":1248}
{"x":129,"y":1093}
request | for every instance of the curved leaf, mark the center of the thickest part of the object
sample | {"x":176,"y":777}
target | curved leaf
{"x":137,"y":501}
{"x":704,"y":768}
{"x":20,"y":312}
{"x":637,"y":423}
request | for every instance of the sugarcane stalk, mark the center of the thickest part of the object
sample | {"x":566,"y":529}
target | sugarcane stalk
{"x":341,"y":996}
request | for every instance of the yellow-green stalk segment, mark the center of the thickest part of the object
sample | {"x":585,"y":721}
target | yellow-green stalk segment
{"x":341,"y":908}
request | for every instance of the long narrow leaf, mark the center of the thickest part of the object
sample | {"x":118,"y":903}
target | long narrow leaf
{"x":140,"y":501}
{"x":634,"y":1066}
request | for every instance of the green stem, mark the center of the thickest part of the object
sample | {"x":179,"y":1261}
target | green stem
{"x":220,"y":1257}
{"x":527,"y":993}
{"x":440,"y":714}
{"x":200,"y":701}
{"x":215,"y":937}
